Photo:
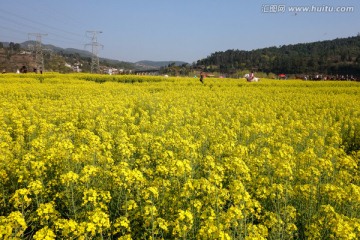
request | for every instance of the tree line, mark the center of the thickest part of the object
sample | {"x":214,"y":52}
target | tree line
{"x":333,"y":57}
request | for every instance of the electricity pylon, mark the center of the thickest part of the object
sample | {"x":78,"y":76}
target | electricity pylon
{"x":95,"y":66}
{"x":39,"y":58}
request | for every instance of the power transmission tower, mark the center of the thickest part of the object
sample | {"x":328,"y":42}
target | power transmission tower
{"x":95,"y":66}
{"x":39,"y":58}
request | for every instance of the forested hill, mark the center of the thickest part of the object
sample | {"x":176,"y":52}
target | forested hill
{"x":339,"y":56}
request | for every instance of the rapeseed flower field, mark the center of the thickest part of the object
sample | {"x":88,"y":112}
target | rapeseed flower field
{"x":133,"y":157}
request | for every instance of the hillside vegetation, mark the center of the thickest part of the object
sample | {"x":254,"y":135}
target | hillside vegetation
{"x":13,"y":56}
{"x":334,"y":57}
{"x":337,"y":59}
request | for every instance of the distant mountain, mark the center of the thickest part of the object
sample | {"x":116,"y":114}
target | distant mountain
{"x":72,"y":55}
{"x":140,"y":65}
{"x":146,"y":64}
{"x":82,"y":53}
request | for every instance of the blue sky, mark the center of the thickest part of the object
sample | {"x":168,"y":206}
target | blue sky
{"x":167,"y":30}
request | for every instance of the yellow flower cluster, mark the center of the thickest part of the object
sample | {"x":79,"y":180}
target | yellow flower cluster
{"x":13,"y":226}
{"x":85,"y":156}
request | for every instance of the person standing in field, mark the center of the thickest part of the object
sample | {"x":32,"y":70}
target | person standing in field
{"x":202,"y":77}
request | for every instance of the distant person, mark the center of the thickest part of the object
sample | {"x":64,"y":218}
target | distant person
{"x":202,"y":77}
{"x":251,"y":76}
{"x":23,"y":69}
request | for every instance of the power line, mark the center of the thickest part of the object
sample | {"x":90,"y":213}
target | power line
{"x":22,"y":24}
{"x":39,"y":23}
{"x":39,"y":59}
{"x":37,"y":26}
{"x":13,"y":30}
{"x":47,"y":10}
{"x":95,"y":67}
{"x":52,"y":39}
